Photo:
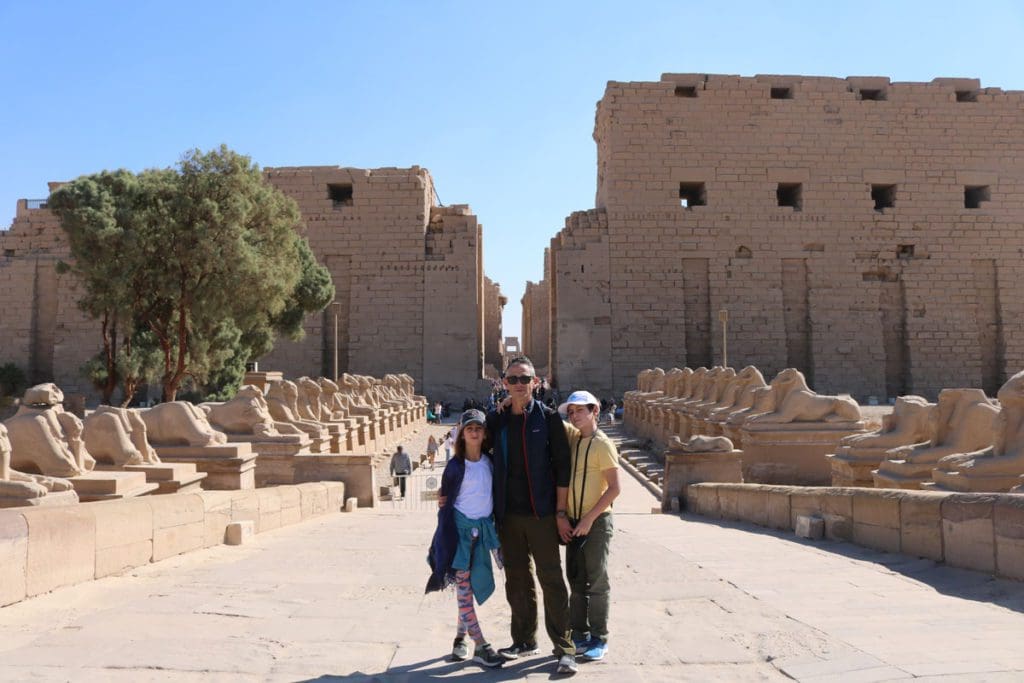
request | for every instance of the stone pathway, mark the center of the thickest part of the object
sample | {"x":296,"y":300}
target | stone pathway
{"x":341,"y":598}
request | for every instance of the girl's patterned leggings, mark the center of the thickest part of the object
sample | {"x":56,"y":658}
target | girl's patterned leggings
{"x":467,"y":613}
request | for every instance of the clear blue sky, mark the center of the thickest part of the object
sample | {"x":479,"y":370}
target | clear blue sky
{"x":498,"y":102}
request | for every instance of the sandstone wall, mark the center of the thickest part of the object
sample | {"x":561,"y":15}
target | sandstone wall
{"x":864,"y":231}
{"x":494,"y":303}
{"x":408,"y":276}
{"x":535,"y":323}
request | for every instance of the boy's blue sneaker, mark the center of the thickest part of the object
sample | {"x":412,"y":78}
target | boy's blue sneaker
{"x":598,"y":649}
{"x":582,"y":644}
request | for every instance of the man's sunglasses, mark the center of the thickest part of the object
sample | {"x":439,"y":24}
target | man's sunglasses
{"x":518,"y":379}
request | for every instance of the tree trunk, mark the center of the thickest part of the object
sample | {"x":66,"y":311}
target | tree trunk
{"x":174,"y":381}
{"x":109,"y":357}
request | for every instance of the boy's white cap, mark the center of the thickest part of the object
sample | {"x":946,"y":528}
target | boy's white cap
{"x":579,"y":398}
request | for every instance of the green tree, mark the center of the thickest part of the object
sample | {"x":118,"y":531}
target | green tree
{"x":210,"y":268}
{"x":99,"y":213}
{"x":13,"y":381}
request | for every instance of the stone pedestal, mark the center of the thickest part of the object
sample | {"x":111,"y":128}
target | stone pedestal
{"x":975,"y":483}
{"x":291,"y":444}
{"x":169,"y":477}
{"x":111,"y":485}
{"x":262,"y":379}
{"x":356,"y":471}
{"x":901,"y":474}
{"x":853,"y":466}
{"x":683,"y":469}
{"x":229,"y":466}
{"x":52,"y":499}
{"x":734,"y":432}
{"x":792,"y":453}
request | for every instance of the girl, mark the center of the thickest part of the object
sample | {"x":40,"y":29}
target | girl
{"x":431,"y":450}
{"x":461,"y":550}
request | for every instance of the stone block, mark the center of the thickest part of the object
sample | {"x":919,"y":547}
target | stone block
{"x":270,"y":509}
{"x":336,"y":496}
{"x":291,"y":505}
{"x":119,"y":522}
{"x":876,"y":519}
{"x":968,"y":534}
{"x":314,"y":499}
{"x":217,"y":507}
{"x":61,"y":548}
{"x":13,"y":556}
{"x":728,"y":503}
{"x":779,"y":508}
{"x":352,"y":504}
{"x":703,"y":500}
{"x":176,"y":509}
{"x":179,"y":524}
{"x":809,"y":526}
{"x":752,"y":505}
{"x":921,"y":524}
{"x":178,"y":539}
{"x":124,"y":535}
{"x":1009,"y":536}
{"x":837,"y":511}
{"x":245,"y":505}
{"x":120,"y":558}
{"x":238,"y":533}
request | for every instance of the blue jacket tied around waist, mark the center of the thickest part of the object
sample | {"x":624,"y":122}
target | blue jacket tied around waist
{"x":452,"y":547}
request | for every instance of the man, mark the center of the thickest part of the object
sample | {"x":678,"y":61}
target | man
{"x":531,"y":480}
{"x":401,"y":468}
{"x":595,"y":484}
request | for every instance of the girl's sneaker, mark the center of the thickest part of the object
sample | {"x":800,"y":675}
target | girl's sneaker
{"x":598,"y":649}
{"x":486,"y":655}
{"x":460,"y":649}
{"x":582,"y":644}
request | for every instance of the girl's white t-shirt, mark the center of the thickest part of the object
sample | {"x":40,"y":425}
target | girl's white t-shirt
{"x":475,"y":497}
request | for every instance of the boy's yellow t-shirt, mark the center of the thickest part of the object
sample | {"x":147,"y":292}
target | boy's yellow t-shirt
{"x":603,"y":456}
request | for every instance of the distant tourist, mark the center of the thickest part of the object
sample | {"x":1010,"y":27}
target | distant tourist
{"x":431,"y":450}
{"x":449,"y":443}
{"x":465,"y":536}
{"x":593,"y":487}
{"x":401,"y":468}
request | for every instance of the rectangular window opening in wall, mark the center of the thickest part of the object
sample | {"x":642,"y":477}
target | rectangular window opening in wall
{"x":790,"y":194}
{"x":340,"y":194}
{"x":884,"y":196}
{"x":692,"y":194}
{"x":782,"y":93}
{"x":873,"y":94}
{"x":686,"y":91}
{"x":974,"y":195}
{"x":966,"y":95}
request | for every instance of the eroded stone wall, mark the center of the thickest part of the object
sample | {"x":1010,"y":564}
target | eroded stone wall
{"x":866,"y":232}
{"x":408,"y":276}
{"x":493,"y":307}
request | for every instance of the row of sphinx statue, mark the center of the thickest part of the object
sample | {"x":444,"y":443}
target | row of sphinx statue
{"x":966,"y":441}
{"x":44,"y":449}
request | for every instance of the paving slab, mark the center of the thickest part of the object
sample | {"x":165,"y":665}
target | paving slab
{"x":340,"y":598}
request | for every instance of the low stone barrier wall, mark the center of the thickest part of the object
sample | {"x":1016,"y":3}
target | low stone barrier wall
{"x":44,"y":548}
{"x":980,"y":531}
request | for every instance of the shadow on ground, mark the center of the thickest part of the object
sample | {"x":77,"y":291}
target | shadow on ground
{"x":443,"y":668}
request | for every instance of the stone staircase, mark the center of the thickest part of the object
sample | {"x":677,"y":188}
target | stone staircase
{"x":637,"y":456}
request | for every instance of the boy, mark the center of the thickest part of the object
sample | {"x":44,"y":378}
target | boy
{"x":594,"y":484}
